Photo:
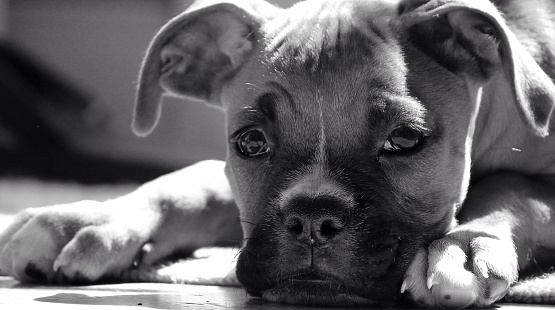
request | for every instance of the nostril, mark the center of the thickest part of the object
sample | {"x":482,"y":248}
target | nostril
{"x":294,"y":225}
{"x":330,"y":228}
{"x":297,"y":228}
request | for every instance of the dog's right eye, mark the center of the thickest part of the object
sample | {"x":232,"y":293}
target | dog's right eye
{"x":403,"y":139}
{"x":252,"y":143}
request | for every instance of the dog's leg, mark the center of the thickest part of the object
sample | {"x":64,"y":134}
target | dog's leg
{"x":87,"y":241}
{"x":535,"y":290}
{"x":197,"y":210}
{"x":505,"y":225}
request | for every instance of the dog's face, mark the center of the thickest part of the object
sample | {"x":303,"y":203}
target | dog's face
{"x":342,"y":164}
{"x":349,"y":140}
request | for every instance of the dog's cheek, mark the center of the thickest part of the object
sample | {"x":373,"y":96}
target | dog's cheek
{"x":258,"y":259}
{"x":247,"y":178}
{"x":427,"y":189}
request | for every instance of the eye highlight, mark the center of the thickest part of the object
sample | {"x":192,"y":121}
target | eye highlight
{"x":403,"y":139}
{"x":252,"y":143}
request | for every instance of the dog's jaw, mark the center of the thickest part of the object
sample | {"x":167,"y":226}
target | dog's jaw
{"x":315,"y":293}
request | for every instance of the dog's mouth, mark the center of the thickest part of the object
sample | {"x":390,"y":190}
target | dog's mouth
{"x":315,"y":290}
{"x":328,"y":279}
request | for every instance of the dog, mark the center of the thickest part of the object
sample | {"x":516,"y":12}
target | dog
{"x":379,"y":151}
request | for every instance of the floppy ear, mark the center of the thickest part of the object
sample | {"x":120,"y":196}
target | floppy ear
{"x":471,"y":38}
{"x":196,"y":53}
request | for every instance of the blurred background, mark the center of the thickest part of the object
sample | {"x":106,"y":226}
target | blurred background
{"x":67,"y":85}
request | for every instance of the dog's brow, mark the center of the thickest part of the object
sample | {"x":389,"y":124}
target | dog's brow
{"x":282,"y":92}
{"x":266,"y":104}
{"x":399,"y":109}
{"x":264,"y":107}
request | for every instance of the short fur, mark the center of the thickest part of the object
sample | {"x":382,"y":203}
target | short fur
{"x":329,"y":213}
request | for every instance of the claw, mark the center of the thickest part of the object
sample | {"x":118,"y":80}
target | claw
{"x":432,"y":281}
{"x":147,"y":248}
{"x":404,"y":286}
{"x":483,"y":268}
{"x":57,"y":265}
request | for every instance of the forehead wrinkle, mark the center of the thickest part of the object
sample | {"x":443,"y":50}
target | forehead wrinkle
{"x":265,"y":108}
{"x":314,"y":31}
{"x":321,"y":151}
{"x":283,"y":94}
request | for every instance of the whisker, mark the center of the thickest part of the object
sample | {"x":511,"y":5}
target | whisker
{"x":247,"y":222}
{"x":252,"y":86}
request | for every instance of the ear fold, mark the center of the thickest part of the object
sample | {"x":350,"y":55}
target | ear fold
{"x":471,"y":38}
{"x":196,"y":53}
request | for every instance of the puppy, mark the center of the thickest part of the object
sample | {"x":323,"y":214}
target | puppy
{"x":377,"y":150}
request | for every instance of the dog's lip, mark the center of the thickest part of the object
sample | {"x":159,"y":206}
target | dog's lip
{"x":314,"y":289}
{"x":310,"y":277}
{"x":315,"y":292}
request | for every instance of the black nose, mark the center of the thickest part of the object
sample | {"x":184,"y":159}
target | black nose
{"x":318,"y":219}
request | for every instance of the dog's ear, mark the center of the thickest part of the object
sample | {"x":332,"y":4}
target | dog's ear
{"x":196,"y":53}
{"x":471,"y":38}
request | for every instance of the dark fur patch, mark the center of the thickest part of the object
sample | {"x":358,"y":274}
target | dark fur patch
{"x":32,"y":271}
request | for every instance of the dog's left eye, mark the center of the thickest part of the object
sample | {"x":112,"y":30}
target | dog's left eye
{"x":252,"y":143}
{"x":402,"y":139}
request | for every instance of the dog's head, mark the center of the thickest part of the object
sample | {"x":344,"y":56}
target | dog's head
{"x":350,"y":127}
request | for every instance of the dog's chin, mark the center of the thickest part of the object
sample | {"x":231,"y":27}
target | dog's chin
{"x":314,"y":293}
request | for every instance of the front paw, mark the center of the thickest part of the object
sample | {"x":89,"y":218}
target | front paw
{"x":463,"y":269}
{"x":75,"y":243}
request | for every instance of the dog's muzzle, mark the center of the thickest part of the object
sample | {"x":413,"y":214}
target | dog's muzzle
{"x":320,"y":248}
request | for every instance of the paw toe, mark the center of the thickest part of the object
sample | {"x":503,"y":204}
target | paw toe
{"x":454,"y":288}
{"x":448,"y":296}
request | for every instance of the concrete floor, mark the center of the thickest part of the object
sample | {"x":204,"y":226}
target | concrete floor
{"x":14,"y":295}
{"x":125,"y":296}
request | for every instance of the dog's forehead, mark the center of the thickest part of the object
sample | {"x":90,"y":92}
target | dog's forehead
{"x":342,"y":45}
{"x":312,"y":29}
{"x":340,"y":58}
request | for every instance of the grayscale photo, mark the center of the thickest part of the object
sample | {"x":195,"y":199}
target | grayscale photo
{"x":285,"y":154}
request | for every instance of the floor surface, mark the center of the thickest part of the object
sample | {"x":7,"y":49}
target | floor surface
{"x":14,"y":295}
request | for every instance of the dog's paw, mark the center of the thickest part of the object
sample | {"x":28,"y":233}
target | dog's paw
{"x":461,"y":270}
{"x":75,"y":243}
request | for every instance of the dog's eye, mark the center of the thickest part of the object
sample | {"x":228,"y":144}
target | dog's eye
{"x":252,"y":143}
{"x":403,"y":138}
